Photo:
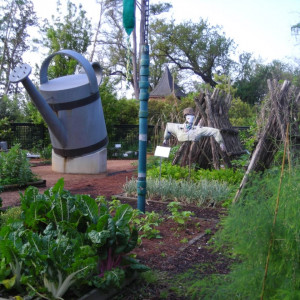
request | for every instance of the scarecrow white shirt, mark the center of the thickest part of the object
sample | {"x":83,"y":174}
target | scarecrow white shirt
{"x":187,"y":132}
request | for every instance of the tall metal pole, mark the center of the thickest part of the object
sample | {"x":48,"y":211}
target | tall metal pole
{"x":143,"y":114}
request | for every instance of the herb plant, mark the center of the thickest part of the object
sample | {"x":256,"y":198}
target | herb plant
{"x":147,"y":224}
{"x":178,"y":215}
{"x":15,"y":167}
{"x":199,"y":193}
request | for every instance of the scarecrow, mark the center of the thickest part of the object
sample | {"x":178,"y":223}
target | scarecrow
{"x":190,"y":132}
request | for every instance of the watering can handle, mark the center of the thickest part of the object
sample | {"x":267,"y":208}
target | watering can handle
{"x":89,"y":69}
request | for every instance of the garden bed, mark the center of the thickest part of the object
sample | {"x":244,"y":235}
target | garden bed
{"x":16,"y":187}
{"x":178,"y":250}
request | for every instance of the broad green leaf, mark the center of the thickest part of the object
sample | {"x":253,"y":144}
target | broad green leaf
{"x":102,"y":222}
{"x":114,"y":277}
{"x":103,"y":209}
{"x":9,"y":283}
{"x":90,"y":208}
{"x":59,"y":186}
{"x":132,"y":241}
{"x":123,"y":215}
{"x":134,"y":264}
{"x":99,"y":238}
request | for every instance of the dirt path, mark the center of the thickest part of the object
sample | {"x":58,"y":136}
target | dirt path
{"x":111,"y":183}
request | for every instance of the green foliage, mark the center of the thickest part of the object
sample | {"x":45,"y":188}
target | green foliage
{"x":11,"y":108}
{"x":169,"y":171}
{"x":251,"y":85}
{"x":161,"y":112}
{"x":109,"y":103}
{"x":146,"y":224}
{"x":128,"y":112}
{"x":16,"y":18}
{"x":230,"y":176}
{"x":33,"y":114}
{"x":5,"y":129}
{"x":224,"y":84}
{"x":241,"y":113}
{"x":248,"y":137}
{"x":45,"y":152}
{"x":248,"y":231}
{"x":10,"y":214}
{"x":116,"y":111}
{"x":15,"y":167}
{"x":60,"y":239}
{"x":198,"y":46}
{"x":72,"y":31}
{"x":198,"y":193}
{"x":177,"y":214}
{"x":176,"y":172}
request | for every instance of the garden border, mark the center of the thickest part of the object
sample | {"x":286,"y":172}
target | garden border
{"x":15,"y":187}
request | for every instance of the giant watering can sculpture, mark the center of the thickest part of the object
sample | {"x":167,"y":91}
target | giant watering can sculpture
{"x":71,"y":106}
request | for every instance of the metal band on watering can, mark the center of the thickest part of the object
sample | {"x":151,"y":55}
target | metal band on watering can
{"x":75,"y":104}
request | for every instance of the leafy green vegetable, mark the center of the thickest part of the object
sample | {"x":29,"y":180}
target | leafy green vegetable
{"x":60,"y":239}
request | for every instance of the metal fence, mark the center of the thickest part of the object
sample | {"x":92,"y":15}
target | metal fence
{"x":123,"y":139}
{"x":28,"y":135}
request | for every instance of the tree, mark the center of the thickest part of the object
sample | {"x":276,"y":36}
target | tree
{"x":251,"y":84}
{"x":16,"y":16}
{"x":296,"y":29}
{"x":72,"y":31}
{"x":196,"y":47}
{"x":112,"y":40}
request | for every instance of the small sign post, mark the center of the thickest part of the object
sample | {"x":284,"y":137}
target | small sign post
{"x":161,"y":152}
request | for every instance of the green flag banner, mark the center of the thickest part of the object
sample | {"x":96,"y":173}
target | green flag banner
{"x":128,"y":15}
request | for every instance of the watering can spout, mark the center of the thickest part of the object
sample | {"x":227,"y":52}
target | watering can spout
{"x":21,"y":74}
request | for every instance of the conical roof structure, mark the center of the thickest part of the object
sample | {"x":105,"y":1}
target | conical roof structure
{"x":166,"y":87}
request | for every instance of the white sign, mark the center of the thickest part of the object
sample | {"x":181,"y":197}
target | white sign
{"x":162,"y":151}
{"x":117,"y":146}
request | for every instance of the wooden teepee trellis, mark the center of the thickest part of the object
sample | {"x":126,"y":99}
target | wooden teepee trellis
{"x":211,"y":111}
{"x":279,"y":119}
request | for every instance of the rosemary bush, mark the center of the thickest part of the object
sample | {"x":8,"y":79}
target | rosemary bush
{"x":248,"y":231}
{"x":15,"y":167}
{"x":199,"y":193}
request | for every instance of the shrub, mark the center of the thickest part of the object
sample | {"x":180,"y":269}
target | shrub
{"x":15,"y":167}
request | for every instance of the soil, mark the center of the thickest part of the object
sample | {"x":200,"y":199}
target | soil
{"x":180,"y":248}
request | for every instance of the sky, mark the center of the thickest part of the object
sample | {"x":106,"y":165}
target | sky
{"x":261,"y":27}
